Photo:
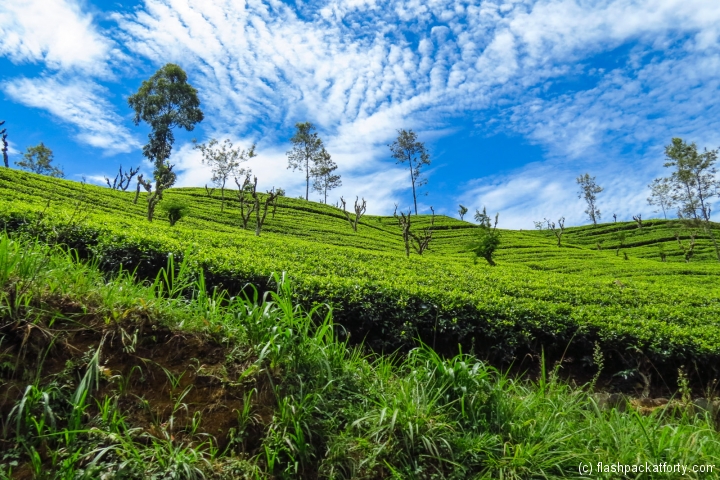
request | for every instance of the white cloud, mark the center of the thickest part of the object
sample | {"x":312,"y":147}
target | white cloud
{"x":549,"y":190}
{"x":55,"y":32}
{"x":255,"y":62}
{"x":360,"y":69}
{"x":79,"y":103}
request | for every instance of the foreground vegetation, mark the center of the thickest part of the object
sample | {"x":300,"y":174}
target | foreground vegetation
{"x":113,"y":378}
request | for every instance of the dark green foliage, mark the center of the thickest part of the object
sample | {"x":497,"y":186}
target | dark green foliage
{"x":175,"y":209}
{"x":164,"y":101}
{"x":38,"y":159}
{"x":487,"y":239}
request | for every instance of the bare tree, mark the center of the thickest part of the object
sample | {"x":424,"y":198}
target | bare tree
{"x":256,"y":204}
{"x":418,"y":242}
{"x":270,"y":199}
{"x":638,"y":220}
{"x":359,"y":212}
{"x":122,"y":179}
{"x":589,"y":190}
{"x":404,"y":222}
{"x":422,"y":242}
{"x":225,"y":162}
{"x":689,"y":249}
{"x":407,"y":148}
{"x":558,"y":230}
{"x":245,"y":198}
{"x":141,"y":183}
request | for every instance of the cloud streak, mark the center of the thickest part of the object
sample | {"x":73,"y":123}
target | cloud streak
{"x":78,"y":103}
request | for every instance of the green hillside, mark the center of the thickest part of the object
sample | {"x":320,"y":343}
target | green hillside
{"x":182,"y":377}
{"x":562,"y":300}
{"x":106,"y":377}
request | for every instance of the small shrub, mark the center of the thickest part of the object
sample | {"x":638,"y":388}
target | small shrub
{"x":488,"y":239}
{"x":175,"y":209}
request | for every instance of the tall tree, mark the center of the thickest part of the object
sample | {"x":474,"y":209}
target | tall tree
{"x":38,"y":159}
{"x":661,"y":195}
{"x":164,"y":101}
{"x":3,"y":136}
{"x":694,"y":180}
{"x":694,"y":183}
{"x":407,"y":148}
{"x":322,"y":172}
{"x":225,"y":162}
{"x":588,"y":191}
{"x":306,"y":152}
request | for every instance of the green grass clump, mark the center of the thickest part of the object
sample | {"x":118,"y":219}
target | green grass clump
{"x":115,"y":378}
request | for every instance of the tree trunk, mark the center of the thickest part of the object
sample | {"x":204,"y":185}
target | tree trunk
{"x":222,"y":197}
{"x":412,"y":180}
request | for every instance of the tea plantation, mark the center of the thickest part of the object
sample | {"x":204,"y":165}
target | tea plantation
{"x":141,"y":350}
{"x":539,"y":298}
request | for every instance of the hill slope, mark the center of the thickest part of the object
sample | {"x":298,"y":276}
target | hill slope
{"x":539,"y":295}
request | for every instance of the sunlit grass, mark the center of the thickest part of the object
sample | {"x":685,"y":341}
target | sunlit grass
{"x":309,"y":404}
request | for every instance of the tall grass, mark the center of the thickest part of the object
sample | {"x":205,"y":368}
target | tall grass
{"x":312,"y":407}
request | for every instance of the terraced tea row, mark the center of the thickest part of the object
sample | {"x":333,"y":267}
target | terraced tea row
{"x":538,"y":296}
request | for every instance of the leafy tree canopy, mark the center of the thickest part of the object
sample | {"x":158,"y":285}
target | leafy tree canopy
{"x":407,"y":148}
{"x":38,"y":159}
{"x":165,"y":101}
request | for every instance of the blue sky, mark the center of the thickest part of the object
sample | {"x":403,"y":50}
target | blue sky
{"x":514,"y":99}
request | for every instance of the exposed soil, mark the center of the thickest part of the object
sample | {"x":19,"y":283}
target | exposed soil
{"x":163,"y":379}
